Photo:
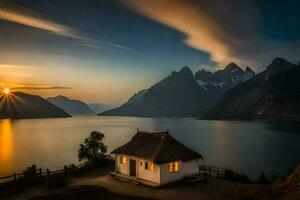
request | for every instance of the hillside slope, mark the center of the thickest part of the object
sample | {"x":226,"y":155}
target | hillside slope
{"x":19,"y":105}
{"x":72,"y":106}
{"x":177,"y":95}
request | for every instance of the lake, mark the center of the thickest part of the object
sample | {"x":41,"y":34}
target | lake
{"x":248,"y":147}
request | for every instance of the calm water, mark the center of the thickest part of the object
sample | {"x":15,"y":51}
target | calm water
{"x":247,"y":147}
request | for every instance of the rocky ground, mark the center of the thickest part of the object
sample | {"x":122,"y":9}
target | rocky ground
{"x":287,"y":188}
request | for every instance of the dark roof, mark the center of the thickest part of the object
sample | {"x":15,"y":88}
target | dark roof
{"x":159,"y":147}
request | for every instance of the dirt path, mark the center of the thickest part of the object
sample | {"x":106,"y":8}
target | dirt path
{"x":212,"y":189}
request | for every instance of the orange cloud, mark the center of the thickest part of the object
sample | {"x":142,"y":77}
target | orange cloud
{"x":201,"y":29}
{"x":229,"y":31}
{"x":15,"y":70}
{"x":197,"y":26}
{"x":40,"y":88}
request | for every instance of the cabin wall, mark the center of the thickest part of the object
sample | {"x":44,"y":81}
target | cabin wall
{"x":141,"y":172}
{"x":161,"y":174}
{"x":153,"y":176}
{"x":185,"y":168}
{"x":121,"y":168}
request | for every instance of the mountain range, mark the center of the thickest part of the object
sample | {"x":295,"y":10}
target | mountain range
{"x":183,"y":94}
{"x":272,"y":94}
{"x":71,"y":106}
{"x":229,"y":93}
{"x":223,"y":80}
{"x":19,"y":105}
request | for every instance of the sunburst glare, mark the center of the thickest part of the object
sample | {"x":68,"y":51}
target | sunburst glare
{"x":6,"y":90}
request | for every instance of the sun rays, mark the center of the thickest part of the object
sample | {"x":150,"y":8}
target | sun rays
{"x":9,"y":101}
{"x":5,"y":94}
{"x":6,"y":91}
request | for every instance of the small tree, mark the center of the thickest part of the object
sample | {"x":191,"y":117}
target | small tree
{"x":93,"y":149}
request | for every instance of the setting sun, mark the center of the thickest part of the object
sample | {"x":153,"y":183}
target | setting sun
{"x":6,"y":90}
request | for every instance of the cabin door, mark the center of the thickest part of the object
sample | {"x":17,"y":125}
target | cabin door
{"x":132,"y":167}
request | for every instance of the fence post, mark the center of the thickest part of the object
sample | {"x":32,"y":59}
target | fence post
{"x":40,"y":174}
{"x":70,"y":171}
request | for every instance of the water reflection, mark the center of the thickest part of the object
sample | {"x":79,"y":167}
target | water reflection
{"x":6,"y":146}
{"x":246,"y":147}
{"x":284,"y":126}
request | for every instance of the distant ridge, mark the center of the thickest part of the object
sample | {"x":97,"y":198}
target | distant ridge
{"x":18,"y":105}
{"x":272,"y":94}
{"x":72,"y":106}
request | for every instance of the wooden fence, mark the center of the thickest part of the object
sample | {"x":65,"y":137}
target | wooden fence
{"x":40,"y":174}
{"x":203,"y":169}
{"x":212,"y":171}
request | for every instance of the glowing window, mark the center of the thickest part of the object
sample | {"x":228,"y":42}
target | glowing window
{"x":123,"y":160}
{"x":149,"y":166}
{"x":171,"y":168}
{"x":174,"y":167}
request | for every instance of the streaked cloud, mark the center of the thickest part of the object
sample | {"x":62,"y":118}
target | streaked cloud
{"x":40,"y":88}
{"x":228,"y":32}
{"x":19,"y":73}
{"x":15,"y":70}
{"x":96,"y":44}
{"x":18,"y":67}
{"x":36,"y":22}
{"x":11,"y":12}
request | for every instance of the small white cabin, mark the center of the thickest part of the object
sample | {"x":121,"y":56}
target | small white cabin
{"x":155,"y":159}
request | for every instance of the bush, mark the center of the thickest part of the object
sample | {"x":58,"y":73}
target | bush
{"x":30,"y":171}
{"x":31,"y":176}
{"x":71,"y":169}
{"x":232,"y":176}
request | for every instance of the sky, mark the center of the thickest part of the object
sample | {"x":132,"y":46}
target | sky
{"x":107,"y":50}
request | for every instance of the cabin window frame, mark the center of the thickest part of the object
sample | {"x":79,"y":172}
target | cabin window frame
{"x":174,"y":167}
{"x":123,"y":160}
{"x":149,"y":166}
